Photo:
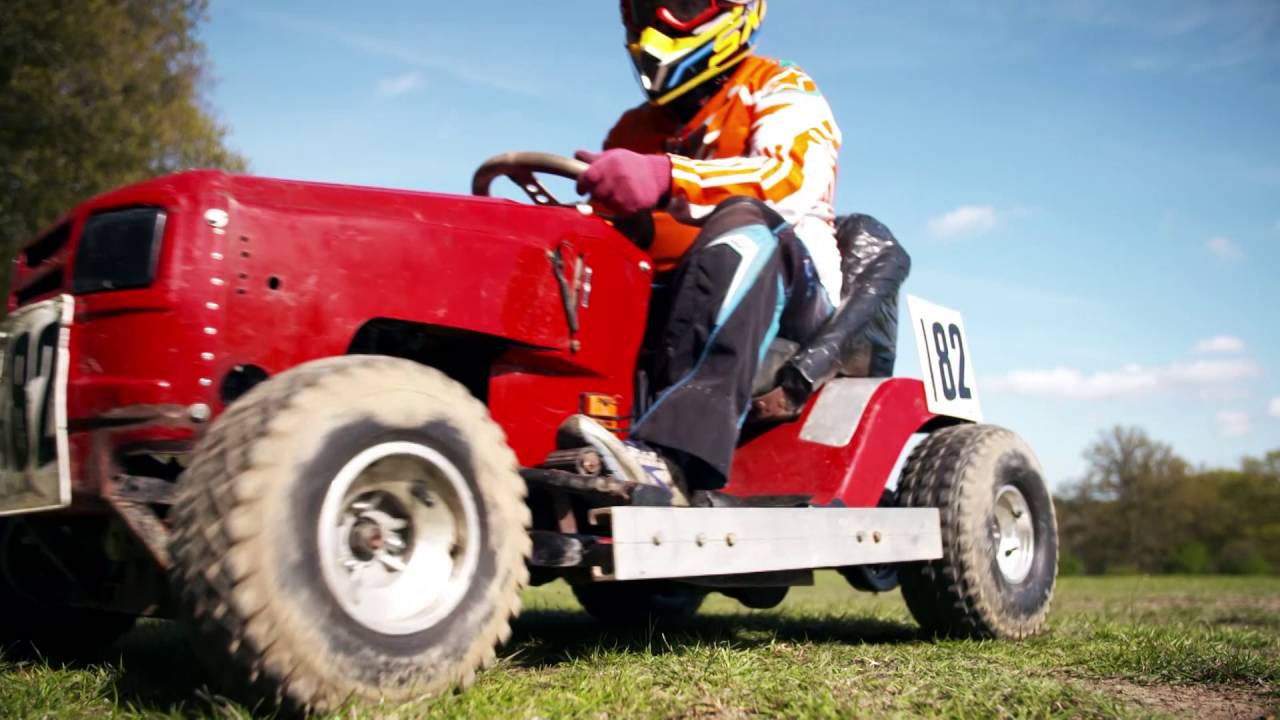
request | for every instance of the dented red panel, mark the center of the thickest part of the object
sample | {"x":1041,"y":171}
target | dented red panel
{"x":275,"y":273}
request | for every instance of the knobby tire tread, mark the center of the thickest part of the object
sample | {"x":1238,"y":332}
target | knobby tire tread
{"x":217,"y":593}
{"x":947,"y":596}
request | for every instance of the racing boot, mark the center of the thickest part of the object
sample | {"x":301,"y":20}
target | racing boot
{"x":626,"y":459}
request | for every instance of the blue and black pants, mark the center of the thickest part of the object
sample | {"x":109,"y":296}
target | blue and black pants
{"x":746,"y":280}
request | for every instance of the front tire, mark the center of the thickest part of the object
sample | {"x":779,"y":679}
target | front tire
{"x":353,"y":529}
{"x":999,"y":566}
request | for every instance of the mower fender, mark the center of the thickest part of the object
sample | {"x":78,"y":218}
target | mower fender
{"x":843,"y":447}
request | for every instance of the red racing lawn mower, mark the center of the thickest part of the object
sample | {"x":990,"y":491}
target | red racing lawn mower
{"x":318,"y":424}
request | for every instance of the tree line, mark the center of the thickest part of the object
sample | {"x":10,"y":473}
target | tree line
{"x":1143,"y":509}
{"x":95,"y":95}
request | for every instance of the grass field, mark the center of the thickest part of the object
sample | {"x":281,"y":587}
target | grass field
{"x":1118,"y":647}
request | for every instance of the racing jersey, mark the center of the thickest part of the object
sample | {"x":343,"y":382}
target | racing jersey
{"x":769,"y":134}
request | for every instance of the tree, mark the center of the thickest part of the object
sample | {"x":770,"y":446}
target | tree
{"x":1125,"y":464}
{"x":1130,"y":476}
{"x":1141,"y":507}
{"x":1267,"y":466}
{"x":96,"y":94}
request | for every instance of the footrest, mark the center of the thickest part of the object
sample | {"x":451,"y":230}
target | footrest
{"x":716,"y":499}
{"x":599,"y":490}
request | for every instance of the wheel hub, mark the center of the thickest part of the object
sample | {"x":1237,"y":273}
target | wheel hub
{"x":398,"y":537}
{"x":1014,"y":534}
{"x":373,"y":533}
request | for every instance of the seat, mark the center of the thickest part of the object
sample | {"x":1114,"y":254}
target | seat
{"x":860,"y":337}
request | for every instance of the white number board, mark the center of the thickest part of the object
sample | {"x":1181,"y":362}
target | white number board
{"x":35,"y":465}
{"x":946,"y":365}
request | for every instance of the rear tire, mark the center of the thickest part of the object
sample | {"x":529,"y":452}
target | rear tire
{"x":999,"y":561}
{"x":33,"y":620}
{"x":60,"y":633}
{"x":353,"y":529}
{"x":640,"y":603}
{"x":874,"y":578}
{"x":871,"y":578}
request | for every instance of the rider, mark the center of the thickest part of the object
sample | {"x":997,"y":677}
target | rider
{"x":734,"y":158}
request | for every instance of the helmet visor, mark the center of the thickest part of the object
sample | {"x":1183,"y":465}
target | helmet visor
{"x":683,"y":15}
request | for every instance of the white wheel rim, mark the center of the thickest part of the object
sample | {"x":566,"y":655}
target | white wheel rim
{"x":399,"y":537}
{"x":1015,"y":538}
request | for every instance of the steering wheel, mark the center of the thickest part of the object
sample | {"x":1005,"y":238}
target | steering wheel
{"x":522,"y":168}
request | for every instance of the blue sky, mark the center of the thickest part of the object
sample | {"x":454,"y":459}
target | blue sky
{"x":1095,"y":185}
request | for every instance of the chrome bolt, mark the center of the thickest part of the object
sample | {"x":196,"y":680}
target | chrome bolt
{"x":657,"y":539}
{"x":423,"y":495}
{"x":216,"y":218}
{"x":700,"y":540}
{"x":199,"y":413}
{"x":590,"y":463}
{"x":730,"y":540}
{"x":875,"y":536}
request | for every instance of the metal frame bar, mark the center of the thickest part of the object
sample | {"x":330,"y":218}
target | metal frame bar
{"x":668,"y":542}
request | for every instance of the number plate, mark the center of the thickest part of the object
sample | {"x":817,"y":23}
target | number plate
{"x":945,"y":362}
{"x":35,"y":472}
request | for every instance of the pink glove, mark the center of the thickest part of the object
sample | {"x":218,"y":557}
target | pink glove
{"x":625,"y":181}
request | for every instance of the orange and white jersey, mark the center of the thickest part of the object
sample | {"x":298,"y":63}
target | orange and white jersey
{"x":768,"y":134}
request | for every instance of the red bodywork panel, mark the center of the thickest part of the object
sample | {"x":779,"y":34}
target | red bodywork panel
{"x":779,"y":462}
{"x":298,"y":269}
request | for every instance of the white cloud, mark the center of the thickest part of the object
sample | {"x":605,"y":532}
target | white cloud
{"x":1211,"y":372}
{"x":1233,"y":423}
{"x":1072,"y":384}
{"x":505,"y":78}
{"x":400,"y":84}
{"x":1225,"y":248}
{"x":1168,"y":21}
{"x":1227,"y":34}
{"x":964,"y":220}
{"x":1221,"y":344}
{"x":1274,"y":409}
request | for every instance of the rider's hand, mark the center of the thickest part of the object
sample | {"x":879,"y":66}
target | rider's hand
{"x":625,"y":181}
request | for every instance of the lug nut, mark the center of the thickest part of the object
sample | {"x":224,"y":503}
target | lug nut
{"x":422,"y":494}
{"x":199,"y":413}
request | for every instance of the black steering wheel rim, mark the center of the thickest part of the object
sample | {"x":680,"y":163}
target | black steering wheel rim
{"x":522,"y":168}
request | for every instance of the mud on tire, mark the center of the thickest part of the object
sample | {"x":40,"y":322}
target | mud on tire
{"x":999,"y":535}
{"x":280,"y":587}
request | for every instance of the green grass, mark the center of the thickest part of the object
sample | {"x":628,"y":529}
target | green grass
{"x":1118,"y":647}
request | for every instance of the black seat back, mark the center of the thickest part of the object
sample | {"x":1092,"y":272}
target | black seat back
{"x":860,"y":337}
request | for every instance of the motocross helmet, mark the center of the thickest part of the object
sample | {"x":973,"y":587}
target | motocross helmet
{"x":680,"y":45}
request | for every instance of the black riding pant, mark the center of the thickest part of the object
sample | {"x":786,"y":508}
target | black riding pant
{"x":746,"y":280}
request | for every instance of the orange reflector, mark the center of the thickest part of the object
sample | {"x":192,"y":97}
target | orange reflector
{"x":603,"y":409}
